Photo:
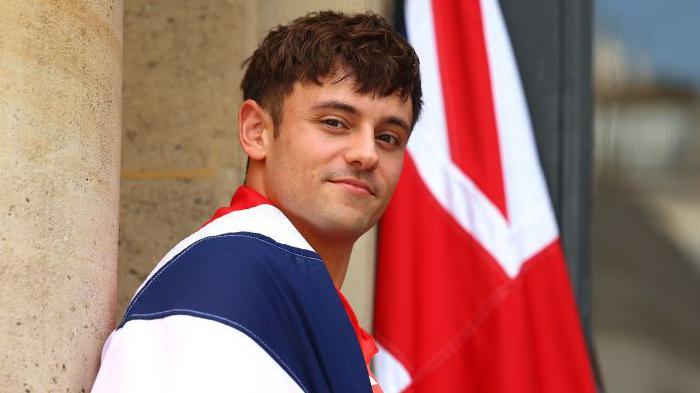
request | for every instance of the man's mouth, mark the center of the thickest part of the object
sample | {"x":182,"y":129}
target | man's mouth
{"x":354,"y":185}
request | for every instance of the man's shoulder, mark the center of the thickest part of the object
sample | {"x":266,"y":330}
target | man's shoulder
{"x":210,"y":317}
{"x":265,"y":220}
{"x":226,"y":267}
{"x":232,"y":283}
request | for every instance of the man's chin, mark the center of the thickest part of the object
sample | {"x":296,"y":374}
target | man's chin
{"x":348,"y":226}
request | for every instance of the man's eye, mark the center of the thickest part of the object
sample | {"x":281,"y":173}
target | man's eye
{"x":389,"y":138}
{"x":333,"y":123}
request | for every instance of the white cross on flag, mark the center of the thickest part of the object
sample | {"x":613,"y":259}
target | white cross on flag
{"x":472,"y":290}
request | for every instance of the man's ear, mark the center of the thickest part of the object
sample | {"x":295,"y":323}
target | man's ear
{"x":254,"y":129}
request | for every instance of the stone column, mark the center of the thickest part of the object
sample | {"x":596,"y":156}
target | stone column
{"x":60,"y":130}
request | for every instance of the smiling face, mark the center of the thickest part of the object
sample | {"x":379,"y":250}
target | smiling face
{"x":336,"y":159}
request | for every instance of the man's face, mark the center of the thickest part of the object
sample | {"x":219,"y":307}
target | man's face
{"x":337,"y":159}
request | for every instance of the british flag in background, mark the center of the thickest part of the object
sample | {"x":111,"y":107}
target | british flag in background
{"x":472,"y":290}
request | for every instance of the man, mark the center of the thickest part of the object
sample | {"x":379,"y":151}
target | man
{"x":250,"y":302}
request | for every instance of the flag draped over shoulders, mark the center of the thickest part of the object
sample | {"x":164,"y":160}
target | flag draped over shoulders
{"x":244,"y":304}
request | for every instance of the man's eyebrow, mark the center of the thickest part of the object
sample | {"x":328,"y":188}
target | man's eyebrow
{"x":399,"y":122}
{"x":345,"y":107}
{"x":333,"y":104}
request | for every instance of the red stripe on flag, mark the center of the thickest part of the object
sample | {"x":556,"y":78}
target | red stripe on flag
{"x":466,"y":89}
{"x":529,"y":342}
{"x":424,"y":297}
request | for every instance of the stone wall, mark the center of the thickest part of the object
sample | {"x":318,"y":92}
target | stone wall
{"x":60,"y":128}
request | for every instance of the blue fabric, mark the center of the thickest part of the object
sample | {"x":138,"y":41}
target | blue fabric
{"x":280,"y":296}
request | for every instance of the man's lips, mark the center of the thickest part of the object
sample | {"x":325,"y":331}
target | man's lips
{"x":357,"y":184}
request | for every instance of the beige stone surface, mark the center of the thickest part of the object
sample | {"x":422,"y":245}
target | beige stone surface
{"x":180,"y":157}
{"x":359,"y":282}
{"x":272,"y":13}
{"x":60,"y":122}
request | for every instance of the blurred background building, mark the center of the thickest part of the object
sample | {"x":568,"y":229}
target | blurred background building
{"x":646,"y":205}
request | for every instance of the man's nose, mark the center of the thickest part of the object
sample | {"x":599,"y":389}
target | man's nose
{"x":362,"y":151}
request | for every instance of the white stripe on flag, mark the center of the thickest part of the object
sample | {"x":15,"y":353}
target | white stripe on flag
{"x":390,"y":373}
{"x":529,"y":206}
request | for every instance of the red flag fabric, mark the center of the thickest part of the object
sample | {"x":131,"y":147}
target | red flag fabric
{"x":472,"y":291}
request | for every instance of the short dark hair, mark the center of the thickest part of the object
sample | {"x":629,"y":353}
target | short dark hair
{"x":361,"y":46}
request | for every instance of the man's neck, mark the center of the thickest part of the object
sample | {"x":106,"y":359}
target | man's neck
{"x":335,"y":254}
